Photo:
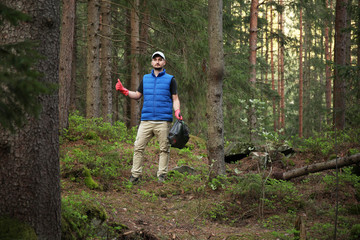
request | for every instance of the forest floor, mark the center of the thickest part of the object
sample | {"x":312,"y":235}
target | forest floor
{"x":238,"y":206}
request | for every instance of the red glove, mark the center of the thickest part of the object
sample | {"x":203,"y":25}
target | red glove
{"x":177,"y":114}
{"x":120,"y":87}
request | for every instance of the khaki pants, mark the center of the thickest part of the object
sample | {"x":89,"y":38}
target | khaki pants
{"x":146,"y":131}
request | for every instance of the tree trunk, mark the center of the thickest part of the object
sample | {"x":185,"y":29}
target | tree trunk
{"x":317,"y":167}
{"x":282,"y":76}
{"x":106,"y":61}
{"x":215,"y":141}
{"x":327,"y":68}
{"x":127,"y":61}
{"x":66,"y":61}
{"x":358,"y":51}
{"x":300,"y":226}
{"x":29,"y":159}
{"x":144,"y":36}
{"x":301,"y":78}
{"x":278,"y":123}
{"x":93,"y":62}
{"x":135,"y":24}
{"x":73,"y":88}
{"x":306,"y":80}
{"x":340,"y":63}
{"x":252,"y":59}
{"x":266,"y":33}
{"x":272,"y":68}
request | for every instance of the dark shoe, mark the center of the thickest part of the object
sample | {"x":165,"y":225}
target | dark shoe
{"x":162,"y":178}
{"x":133,"y":179}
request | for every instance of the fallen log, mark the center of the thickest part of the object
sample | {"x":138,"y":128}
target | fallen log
{"x":317,"y":167}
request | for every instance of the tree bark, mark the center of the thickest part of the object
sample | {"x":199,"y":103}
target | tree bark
{"x":144,"y":36}
{"x":66,"y":61}
{"x":306,"y":81}
{"x":93,"y":62}
{"x":327,"y":68}
{"x":135,"y":48}
{"x":278,"y":120}
{"x":29,"y":159}
{"x":340,"y":63}
{"x":317,"y":167}
{"x":215,"y":141}
{"x":127,"y":62}
{"x":282,"y":76}
{"x":272,"y":68}
{"x":358,"y":51}
{"x":106,"y":61}
{"x":301,"y":77}
{"x":252,"y":59}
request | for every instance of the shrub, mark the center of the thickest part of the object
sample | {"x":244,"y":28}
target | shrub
{"x":355,"y":232}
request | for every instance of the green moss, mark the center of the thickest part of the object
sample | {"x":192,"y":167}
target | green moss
{"x":89,"y":181}
{"x":13,"y":229}
{"x":77,"y":215}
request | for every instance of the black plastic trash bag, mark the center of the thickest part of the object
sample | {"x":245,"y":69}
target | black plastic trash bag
{"x":179,"y":134}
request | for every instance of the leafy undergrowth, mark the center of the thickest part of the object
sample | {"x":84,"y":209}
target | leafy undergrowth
{"x":100,"y":203}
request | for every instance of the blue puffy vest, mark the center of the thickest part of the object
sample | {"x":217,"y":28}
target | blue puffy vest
{"x":158,"y":102}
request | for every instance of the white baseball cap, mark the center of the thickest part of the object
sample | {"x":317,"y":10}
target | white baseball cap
{"x":158,"y":53}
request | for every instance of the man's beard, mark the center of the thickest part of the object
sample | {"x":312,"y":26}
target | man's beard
{"x":158,"y":68}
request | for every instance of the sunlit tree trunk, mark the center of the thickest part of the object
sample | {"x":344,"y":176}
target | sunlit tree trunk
{"x":215,"y":138}
{"x":279,"y":73}
{"x":266,"y":45}
{"x":282,"y":76}
{"x":301,"y":78}
{"x":106,"y":61}
{"x":135,"y":23}
{"x":272,"y":68}
{"x":93,"y":61}
{"x":340,"y":62}
{"x":327,"y":68}
{"x":29,"y":158}
{"x":252,"y":59}
{"x":66,"y":60}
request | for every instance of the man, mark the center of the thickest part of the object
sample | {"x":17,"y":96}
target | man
{"x":160,"y":97}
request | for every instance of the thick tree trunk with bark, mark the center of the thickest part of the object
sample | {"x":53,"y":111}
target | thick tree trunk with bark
{"x":93,"y":61}
{"x":317,"y":167}
{"x":29,"y":159}
{"x":215,"y":138}
{"x":66,"y":61}
{"x":340,"y":62}
{"x":106,"y":61}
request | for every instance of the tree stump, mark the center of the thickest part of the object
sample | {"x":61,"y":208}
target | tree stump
{"x":300,"y":227}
